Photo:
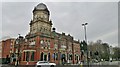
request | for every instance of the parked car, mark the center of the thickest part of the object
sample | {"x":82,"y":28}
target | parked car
{"x":45,"y":64}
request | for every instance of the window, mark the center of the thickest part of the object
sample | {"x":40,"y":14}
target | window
{"x":11,"y":43}
{"x":27,"y":56}
{"x":32,"y":56}
{"x":25,"y":40}
{"x":42,"y":42}
{"x":56,"y":56}
{"x":48,"y":56}
{"x":48,"y":44}
{"x":55,"y":46}
{"x":24,"y":56}
{"x":70,"y":56}
{"x":32,"y":42}
{"x":41,"y":58}
{"x":70,"y":49}
{"x":10,"y":46}
{"x":75,"y":57}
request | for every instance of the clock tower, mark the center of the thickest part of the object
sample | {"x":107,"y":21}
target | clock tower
{"x":40,"y":22}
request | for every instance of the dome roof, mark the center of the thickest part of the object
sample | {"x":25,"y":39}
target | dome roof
{"x":41,"y":6}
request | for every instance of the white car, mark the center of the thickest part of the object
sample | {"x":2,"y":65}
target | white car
{"x":45,"y":64}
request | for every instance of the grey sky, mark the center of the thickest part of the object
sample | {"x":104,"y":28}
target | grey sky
{"x":102,"y":18}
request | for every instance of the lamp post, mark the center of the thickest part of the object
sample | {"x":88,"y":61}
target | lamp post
{"x":84,"y":25}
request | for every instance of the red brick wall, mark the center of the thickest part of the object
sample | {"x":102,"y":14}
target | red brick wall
{"x":39,"y":50}
{"x":6,"y":48}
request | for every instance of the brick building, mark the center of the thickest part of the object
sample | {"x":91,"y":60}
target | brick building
{"x":6,"y":50}
{"x":44,"y":43}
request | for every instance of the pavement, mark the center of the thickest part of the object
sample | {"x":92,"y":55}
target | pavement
{"x":100,"y":64}
{"x":106,"y":64}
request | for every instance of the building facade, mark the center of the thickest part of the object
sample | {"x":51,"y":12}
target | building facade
{"x":44,"y":43}
{"x":7,"y":50}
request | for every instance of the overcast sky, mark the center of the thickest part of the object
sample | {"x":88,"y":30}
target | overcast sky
{"x":102,"y":19}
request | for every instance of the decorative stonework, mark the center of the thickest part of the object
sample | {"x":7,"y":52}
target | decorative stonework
{"x":40,"y":22}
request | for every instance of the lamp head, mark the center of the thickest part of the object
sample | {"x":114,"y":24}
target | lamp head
{"x":86,"y":23}
{"x":83,"y":24}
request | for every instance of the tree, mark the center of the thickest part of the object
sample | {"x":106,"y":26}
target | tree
{"x":116,"y":54}
{"x":105,"y":54}
{"x":101,"y":48}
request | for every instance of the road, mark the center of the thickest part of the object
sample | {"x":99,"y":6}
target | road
{"x":106,"y":64}
{"x":100,"y":64}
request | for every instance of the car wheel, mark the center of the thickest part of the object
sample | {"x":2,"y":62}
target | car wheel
{"x":39,"y":66}
{"x":52,"y":66}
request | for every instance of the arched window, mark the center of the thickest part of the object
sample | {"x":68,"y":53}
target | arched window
{"x":27,"y":56}
{"x":42,"y":42}
{"x":70,"y":56}
{"x":41,"y":58}
{"x":55,"y":56}
{"x":48,"y":44}
{"x":32,"y":56}
{"x":75,"y":57}
{"x":48,"y":56}
{"x":55,"y":46}
{"x":24,"y":56}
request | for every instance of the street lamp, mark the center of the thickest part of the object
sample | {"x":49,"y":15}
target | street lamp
{"x":85,"y":30}
{"x":84,"y":25}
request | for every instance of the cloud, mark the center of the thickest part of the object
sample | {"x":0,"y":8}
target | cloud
{"x":61,"y":0}
{"x":67,"y":17}
{"x":16,"y":18}
{"x":109,"y":37}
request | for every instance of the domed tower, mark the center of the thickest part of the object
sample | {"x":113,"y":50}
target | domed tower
{"x":40,"y":22}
